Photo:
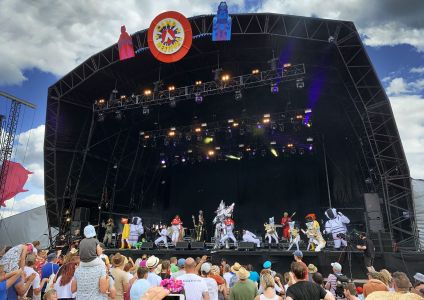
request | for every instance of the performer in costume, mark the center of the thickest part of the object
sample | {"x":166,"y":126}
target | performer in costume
{"x":285,"y":222}
{"x":312,"y":218}
{"x":336,"y":225}
{"x":107,"y":239}
{"x":136,"y":229}
{"x":228,"y":233}
{"x":270,"y":231}
{"x":199,"y":227}
{"x":163,"y":236}
{"x":316,"y":241}
{"x":250,"y":237}
{"x":294,"y":236}
{"x":221,"y":213}
{"x":176,"y":226}
{"x":125,"y":233}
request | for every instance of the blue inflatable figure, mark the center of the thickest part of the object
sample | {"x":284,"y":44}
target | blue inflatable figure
{"x":221,"y":24}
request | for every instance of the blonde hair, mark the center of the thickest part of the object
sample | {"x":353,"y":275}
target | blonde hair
{"x":267,"y":281}
{"x":387,"y":276}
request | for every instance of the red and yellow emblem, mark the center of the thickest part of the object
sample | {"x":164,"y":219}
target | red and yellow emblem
{"x":169,"y":36}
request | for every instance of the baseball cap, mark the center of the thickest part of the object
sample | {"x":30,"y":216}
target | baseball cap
{"x":89,"y":231}
{"x":181,"y":262}
{"x":267,"y":264}
{"x":298,"y":253}
{"x":206,"y":268}
{"x":337,"y":266}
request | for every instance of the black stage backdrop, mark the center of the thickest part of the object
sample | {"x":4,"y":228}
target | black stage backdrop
{"x":261,"y":188}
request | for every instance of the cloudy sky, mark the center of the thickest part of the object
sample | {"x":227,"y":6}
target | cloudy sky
{"x":44,"y":39}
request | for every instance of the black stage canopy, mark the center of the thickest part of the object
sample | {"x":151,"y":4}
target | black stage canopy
{"x":349,"y":147}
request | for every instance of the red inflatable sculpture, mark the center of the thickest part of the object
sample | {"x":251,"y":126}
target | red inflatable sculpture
{"x":16,"y":177}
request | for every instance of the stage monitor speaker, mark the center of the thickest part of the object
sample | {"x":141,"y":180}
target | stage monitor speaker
{"x":181,"y":246}
{"x":82,"y":214}
{"x":246,"y":246}
{"x":146,"y":246}
{"x":197,"y":245}
{"x":373,"y":212}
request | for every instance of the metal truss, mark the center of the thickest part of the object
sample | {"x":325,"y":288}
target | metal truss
{"x":379,"y":137}
{"x":233,"y":84}
{"x":373,"y":119}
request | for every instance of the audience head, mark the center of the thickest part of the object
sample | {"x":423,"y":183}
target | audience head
{"x":89,"y":231}
{"x":118,"y":260}
{"x":152,"y":263}
{"x":298,"y":270}
{"x":50,"y":295}
{"x":227,"y":268}
{"x":30,"y":260}
{"x":181,"y":263}
{"x":215,"y":270}
{"x":173,"y":260}
{"x":267,"y":265}
{"x":206,"y":268}
{"x":142,"y":273}
{"x":267,"y":281}
{"x":349,"y":290}
{"x":401,"y":282}
{"x":243,"y":274}
{"x":337,"y":268}
{"x":298,"y":255}
{"x":386,"y":276}
{"x":36,"y":244}
{"x":127,"y":267}
{"x":190,"y":265}
{"x":419,"y":278}
{"x":286,"y":277}
{"x":318,"y":278}
{"x":165,"y":266}
{"x":376,"y":275}
{"x":51,"y":257}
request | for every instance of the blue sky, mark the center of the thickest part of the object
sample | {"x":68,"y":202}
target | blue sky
{"x":46,"y":39}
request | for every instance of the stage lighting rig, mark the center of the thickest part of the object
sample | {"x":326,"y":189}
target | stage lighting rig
{"x":147,"y":92}
{"x":198,"y":98}
{"x":171,"y":88}
{"x":100,"y":117}
{"x":300,"y":84}
{"x":225,"y":77}
{"x":198,"y":82}
{"x":238,"y":95}
{"x":274,"y":88}
{"x":118,"y":115}
{"x":273,"y":63}
{"x":255,"y":71}
{"x":217,"y":74}
{"x":146,"y":110}
{"x":172,"y":103}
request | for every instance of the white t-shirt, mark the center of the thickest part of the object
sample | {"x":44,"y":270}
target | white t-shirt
{"x":194,"y":286}
{"x":36,"y":283}
{"x":227,"y":277}
{"x":212,"y":288}
{"x":63,"y":291}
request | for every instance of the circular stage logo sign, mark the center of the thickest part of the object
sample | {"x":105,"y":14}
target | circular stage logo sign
{"x":170,"y":37}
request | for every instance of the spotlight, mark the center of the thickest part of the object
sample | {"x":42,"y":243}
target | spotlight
{"x":308,"y":111}
{"x":310,"y":148}
{"x":289,"y":145}
{"x":171,"y":88}
{"x":301,"y":151}
{"x":255,"y":71}
{"x":208,"y":140}
{"x":204,"y":124}
{"x":163,"y":162}
{"x":274,"y":88}
{"x":188,"y":137}
{"x":171,"y":133}
{"x":230,"y":121}
{"x":118,"y":115}
{"x":266,"y":119}
{"x":287,"y":65}
{"x":101,"y":102}
{"x":146,"y":137}
{"x":146,"y":110}
{"x":238,"y":95}
{"x":198,"y":98}
{"x":274,"y":152}
{"x":198,"y":82}
{"x":273,"y":143}
{"x":225,"y":77}
{"x":173,"y":103}
{"x":198,"y":129}
{"x":233,"y":157}
{"x":123,"y":97}
{"x":310,"y":139}
{"x":211,"y":153}
{"x":183,"y":160}
{"x":68,"y":219}
{"x":147,"y":92}
{"x":235,"y":124}
{"x":299,"y":117}
{"x":100,"y":117}
{"x":300,"y":84}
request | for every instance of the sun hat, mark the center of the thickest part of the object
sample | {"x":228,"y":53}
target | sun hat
{"x":267,"y":264}
{"x":242,"y":273}
{"x":336,"y":266}
{"x":206,"y":268}
{"x":298,"y":253}
{"x":215,"y":270}
{"x":152,"y":262}
{"x":181,"y":262}
{"x":312,"y":268}
{"x":74,"y":251}
{"x":89,"y":231}
{"x":234,"y":268}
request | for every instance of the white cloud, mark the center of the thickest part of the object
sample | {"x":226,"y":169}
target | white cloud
{"x":29,"y":152}
{"x":17,"y":206}
{"x":397,"y":86}
{"x":409,"y":111}
{"x":419,"y":70}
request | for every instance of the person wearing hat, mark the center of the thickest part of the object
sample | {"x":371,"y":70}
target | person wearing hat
{"x":267,"y":265}
{"x":119,"y":275}
{"x":211,"y":283}
{"x":234,"y":269}
{"x":332,"y":279}
{"x":195,"y":287}
{"x":401,"y":284}
{"x":419,"y":284}
{"x":375,"y":283}
{"x":51,"y":267}
{"x":89,"y":247}
{"x":152,"y":263}
{"x":244,"y":288}
{"x":181,"y":271}
{"x":311,"y":270}
{"x":298,"y":257}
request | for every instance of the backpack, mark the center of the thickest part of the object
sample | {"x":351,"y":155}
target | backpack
{"x":341,"y":281}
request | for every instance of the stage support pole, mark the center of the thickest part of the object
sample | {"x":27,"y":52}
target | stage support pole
{"x":326,"y":172}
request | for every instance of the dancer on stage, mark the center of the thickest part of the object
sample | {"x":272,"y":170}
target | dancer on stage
{"x":294,"y":236}
{"x":177,"y":228}
{"x":221,"y":213}
{"x":107,"y":239}
{"x":285,"y":222}
{"x":336,"y":225}
{"x":270,"y":231}
{"x":316,"y":241}
{"x":228,"y":233}
{"x":250,"y":237}
{"x":163,"y":236}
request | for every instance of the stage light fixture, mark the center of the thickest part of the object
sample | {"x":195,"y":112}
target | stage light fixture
{"x":230,"y":121}
{"x":198,"y":98}
{"x":204,"y":124}
{"x":198,"y":129}
{"x":287,"y":65}
{"x":146,"y":137}
{"x":118,"y":115}
{"x":299,"y":117}
{"x":172,"y":103}
{"x":273,"y":143}
{"x":146,"y":110}
{"x":233,"y":157}
{"x":225,"y":77}
{"x":301,"y":151}
{"x":238,"y":95}
{"x":147,"y":92}
{"x":100,"y":117}
{"x":101,"y":102}
{"x":274,"y":152}
{"x":198,"y":82}
{"x":235,"y":124}
{"x":310,"y":139}
{"x":290,"y":145}
{"x":189,"y":151}
{"x":308,"y":111}
{"x":274,"y":88}
{"x":211,"y":153}
{"x":300,"y":84}
{"x":68,"y":219}
{"x":208,"y":140}
{"x":171,"y":133}
{"x":171,"y":88}
{"x":263,"y":153}
{"x":255,"y":71}
{"x":188,"y":137}
{"x":199,"y":138}
{"x":241,"y":145}
{"x":310,"y":148}
{"x":183,"y":160}
{"x":217,"y":148}
{"x":123,"y":97}
{"x":266,"y":119}
{"x":308,"y":124}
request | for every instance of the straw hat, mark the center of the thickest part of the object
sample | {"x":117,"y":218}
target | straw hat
{"x":312,"y":268}
{"x":243,"y":274}
{"x":236,"y":267}
{"x":152,"y":262}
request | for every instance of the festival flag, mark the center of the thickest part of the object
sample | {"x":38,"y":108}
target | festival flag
{"x":125,"y":45}
{"x":16,"y":177}
{"x":221,"y":30}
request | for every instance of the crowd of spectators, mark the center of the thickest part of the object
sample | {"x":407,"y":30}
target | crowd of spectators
{"x":27,"y":272}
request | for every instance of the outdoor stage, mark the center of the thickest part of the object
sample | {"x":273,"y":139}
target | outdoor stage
{"x":410,"y":263}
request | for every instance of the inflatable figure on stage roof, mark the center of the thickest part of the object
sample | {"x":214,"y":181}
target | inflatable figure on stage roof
{"x":270,"y":231}
{"x":125,"y":233}
{"x":221,"y":24}
{"x":336,"y":225}
{"x":228,"y":233}
{"x":251,"y":237}
{"x":125,"y":45}
{"x":294,"y":236}
{"x":136,"y":229}
{"x":176,"y":226}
